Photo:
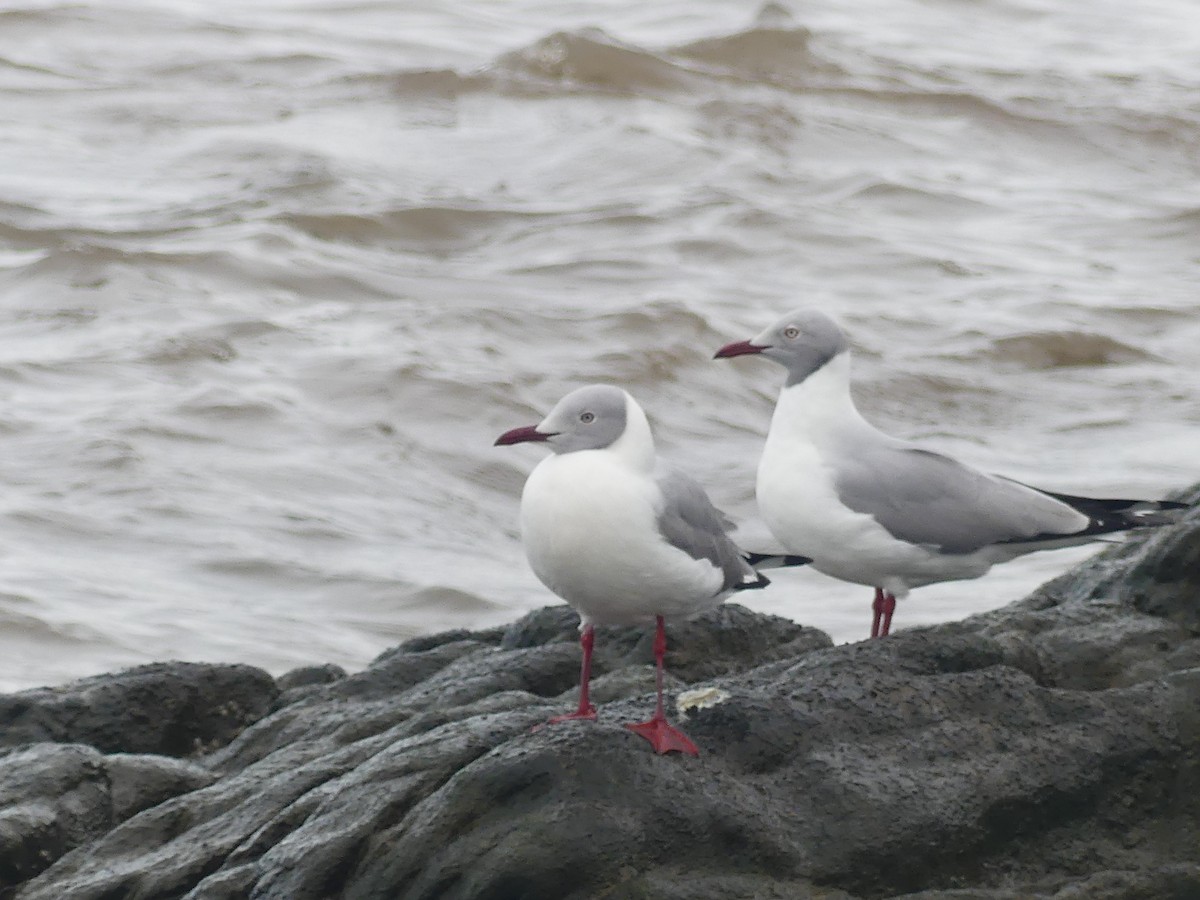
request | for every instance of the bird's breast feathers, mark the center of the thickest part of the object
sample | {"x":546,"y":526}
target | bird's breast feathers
{"x":799,"y":503}
{"x":590,"y":530}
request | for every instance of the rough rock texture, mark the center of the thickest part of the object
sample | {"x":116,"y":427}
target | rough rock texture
{"x":174,"y":709}
{"x":1047,"y":750}
{"x":54,"y":797}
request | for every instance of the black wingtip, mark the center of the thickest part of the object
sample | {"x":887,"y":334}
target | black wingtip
{"x":1108,"y":515}
{"x":775,"y":560}
{"x":760,"y":582}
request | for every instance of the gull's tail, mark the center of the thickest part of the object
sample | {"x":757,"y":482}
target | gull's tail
{"x":758,"y":561}
{"x":774,"y":560}
{"x":1106,"y":515}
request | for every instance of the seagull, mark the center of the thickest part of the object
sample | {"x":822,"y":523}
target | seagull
{"x":623,"y":538}
{"x":876,"y":510}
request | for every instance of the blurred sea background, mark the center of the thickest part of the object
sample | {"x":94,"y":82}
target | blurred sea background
{"x":274,"y":275}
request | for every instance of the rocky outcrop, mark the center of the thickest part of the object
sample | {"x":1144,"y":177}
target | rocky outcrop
{"x":1050,"y":749}
{"x":169,"y":708}
{"x":54,"y":797}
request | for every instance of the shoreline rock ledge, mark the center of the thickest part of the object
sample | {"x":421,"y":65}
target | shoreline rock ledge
{"x":1050,"y":749}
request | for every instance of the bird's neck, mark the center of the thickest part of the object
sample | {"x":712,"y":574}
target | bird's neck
{"x":635,"y":446}
{"x":821,"y":404}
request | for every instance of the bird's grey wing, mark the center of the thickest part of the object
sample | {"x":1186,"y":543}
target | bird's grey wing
{"x":689,"y":521}
{"x":926,"y":498}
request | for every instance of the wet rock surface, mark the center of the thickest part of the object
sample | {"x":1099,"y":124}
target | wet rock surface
{"x":174,"y":709}
{"x":55,"y":797}
{"x":1050,"y":749}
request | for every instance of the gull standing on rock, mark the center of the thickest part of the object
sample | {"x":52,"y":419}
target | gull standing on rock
{"x":876,"y":510}
{"x":620,"y":537}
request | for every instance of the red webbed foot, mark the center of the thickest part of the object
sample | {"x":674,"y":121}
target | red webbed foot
{"x":664,"y":738}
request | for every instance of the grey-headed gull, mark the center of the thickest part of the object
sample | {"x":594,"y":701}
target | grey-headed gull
{"x":621,"y":537}
{"x":876,"y":510}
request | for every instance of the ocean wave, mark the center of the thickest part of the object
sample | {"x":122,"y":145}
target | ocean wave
{"x":299,"y":67}
{"x":92,"y":264}
{"x":42,"y":14}
{"x":427,"y":227}
{"x":1063,"y":349}
{"x":914,"y":200}
{"x":210,"y":344}
{"x":593,"y":60}
{"x":23,"y":76}
{"x":773,"y":52}
{"x":422,"y":84}
{"x":929,"y":398}
{"x":1173,"y":224}
{"x":223,"y":405}
{"x":110,"y":453}
{"x":776,"y":56}
{"x":255,"y":568}
{"x":446,"y":602}
{"x":28,"y":628}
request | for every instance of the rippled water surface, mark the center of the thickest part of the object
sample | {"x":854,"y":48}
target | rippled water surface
{"x":273,"y":276}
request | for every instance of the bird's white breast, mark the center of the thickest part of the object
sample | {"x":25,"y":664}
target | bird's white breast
{"x":799,"y":504}
{"x":798,"y":499}
{"x":590,"y":529}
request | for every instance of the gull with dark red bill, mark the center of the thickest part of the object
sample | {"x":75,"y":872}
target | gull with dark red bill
{"x":876,"y":510}
{"x":623,"y":538}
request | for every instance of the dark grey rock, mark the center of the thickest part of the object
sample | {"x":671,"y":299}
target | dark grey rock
{"x":393,"y":672}
{"x":307,"y":676}
{"x":54,"y":797}
{"x":137,"y":781}
{"x":542,"y":626}
{"x":1128,"y":614}
{"x":1050,"y":749}
{"x":306,"y":681}
{"x":622,"y":684}
{"x":429,"y":641}
{"x":174,"y":709}
{"x":1171,"y":882}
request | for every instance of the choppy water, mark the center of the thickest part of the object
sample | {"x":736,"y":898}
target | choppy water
{"x":274,"y":275}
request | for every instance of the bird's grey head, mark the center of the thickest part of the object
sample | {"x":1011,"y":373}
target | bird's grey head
{"x":589,"y":418}
{"x":802,"y":342}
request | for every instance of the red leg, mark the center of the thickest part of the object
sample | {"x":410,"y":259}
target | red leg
{"x":586,"y":711}
{"x":662,"y":736}
{"x":877,"y":612}
{"x":889,"y":607}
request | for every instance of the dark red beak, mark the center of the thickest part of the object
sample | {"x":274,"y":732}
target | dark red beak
{"x":521,"y":435}
{"x":738,"y":348}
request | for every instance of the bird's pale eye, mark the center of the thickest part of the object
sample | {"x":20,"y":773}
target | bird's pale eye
{"x":587,"y":418}
{"x":791,"y":332}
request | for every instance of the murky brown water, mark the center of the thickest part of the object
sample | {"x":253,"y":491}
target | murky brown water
{"x":274,"y":275}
